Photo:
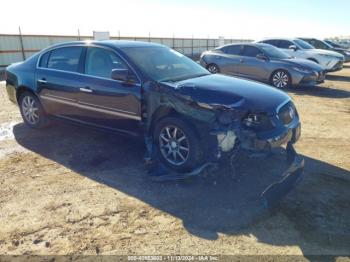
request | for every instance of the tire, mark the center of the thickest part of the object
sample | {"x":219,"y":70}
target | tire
{"x":213,"y":68}
{"x":32,"y":111}
{"x":281,"y":79}
{"x":185,"y":137}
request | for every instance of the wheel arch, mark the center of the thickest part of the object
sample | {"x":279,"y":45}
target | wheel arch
{"x":167,"y":111}
{"x":21,"y":89}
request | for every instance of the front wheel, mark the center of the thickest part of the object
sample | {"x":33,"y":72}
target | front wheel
{"x":31,"y":110}
{"x":281,"y":79}
{"x":178,"y":145}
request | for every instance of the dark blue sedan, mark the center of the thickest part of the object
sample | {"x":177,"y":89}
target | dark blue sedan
{"x":187,"y":116}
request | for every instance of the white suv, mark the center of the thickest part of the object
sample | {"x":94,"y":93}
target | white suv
{"x":330,"y":60}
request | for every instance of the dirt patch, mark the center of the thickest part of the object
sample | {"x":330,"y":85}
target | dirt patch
{"x":68,"y":190}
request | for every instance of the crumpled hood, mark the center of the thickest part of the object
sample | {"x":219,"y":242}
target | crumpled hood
{"x":233,"y":92}
{"x":325,"y":52}
{"x":304,"y":62}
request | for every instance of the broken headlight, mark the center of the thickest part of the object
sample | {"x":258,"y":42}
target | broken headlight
{"x":229,"y":116}
{"x":257,"y":121}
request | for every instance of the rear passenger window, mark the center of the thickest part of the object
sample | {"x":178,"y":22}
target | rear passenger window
{"x":250,"y":51}
{"x":65,"y":58}
{"x":44,"y":59}
{"x":233,"y":49}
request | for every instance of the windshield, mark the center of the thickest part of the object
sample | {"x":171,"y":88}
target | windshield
{"x":333,"y":44}
{"x":274,"y":53}
{"x":326,"y":45}
{"x":303,"y":44}
{"x":164,"y":64}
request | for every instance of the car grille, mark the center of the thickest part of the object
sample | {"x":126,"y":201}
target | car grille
{"x":287,"y":113}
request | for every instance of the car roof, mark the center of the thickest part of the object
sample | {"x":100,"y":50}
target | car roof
{"x":108,"y":43}
{"x":280,"y":38}
{"x":310,"y":38}
{"x":245,"y":43}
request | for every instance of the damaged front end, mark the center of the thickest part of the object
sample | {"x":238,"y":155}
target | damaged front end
{"x":233,"y":128}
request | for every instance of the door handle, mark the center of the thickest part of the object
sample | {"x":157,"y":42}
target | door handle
{"x":86,"y":90}
{"x":241,"y":61}
{"x":42,"y":81}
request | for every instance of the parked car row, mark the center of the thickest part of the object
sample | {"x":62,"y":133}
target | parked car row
{"x":327,"y":45}
{"x":280,"y":62}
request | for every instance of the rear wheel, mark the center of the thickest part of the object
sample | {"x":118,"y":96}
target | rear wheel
{"x":213,"y":68}
{"x":281,"y":79}
{"x":31,"y":110}
{"x":178,"y":145}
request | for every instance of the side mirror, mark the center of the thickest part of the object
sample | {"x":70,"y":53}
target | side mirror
{"x":262,"y":57}
{"x":293,"y":47}
{"x":120,"y":74}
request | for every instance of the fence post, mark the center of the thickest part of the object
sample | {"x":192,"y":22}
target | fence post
{"x":192,"y":47}
{"x":78,"y":34}
{"x":21,"y":41}
{"x":173,"y":42}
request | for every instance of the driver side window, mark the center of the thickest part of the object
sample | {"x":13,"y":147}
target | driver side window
{"x":100,"y":62}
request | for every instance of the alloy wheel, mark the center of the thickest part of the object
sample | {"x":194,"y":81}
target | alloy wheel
{"x":213,"y":69}
{"x":30,"y":110}
{"x":174,"y":145}
{"x":280,"y":79}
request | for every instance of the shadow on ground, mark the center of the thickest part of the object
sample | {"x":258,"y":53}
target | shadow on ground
{"x":338,"y":78}
{"x":214,"y":203}
{"x":320,"y":91}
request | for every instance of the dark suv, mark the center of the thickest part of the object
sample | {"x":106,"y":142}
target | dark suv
{"x":187,"y":116}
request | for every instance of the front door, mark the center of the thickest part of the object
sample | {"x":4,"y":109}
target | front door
{"x":107,"y":102}
{"x":250,"y":66}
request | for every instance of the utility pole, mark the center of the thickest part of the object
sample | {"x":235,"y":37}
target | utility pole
{"x":21,"y":41}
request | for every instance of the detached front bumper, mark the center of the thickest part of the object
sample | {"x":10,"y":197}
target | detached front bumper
{"x":293,"y":174}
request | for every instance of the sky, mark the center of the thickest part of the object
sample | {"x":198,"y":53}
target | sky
{"x":239,"y":19}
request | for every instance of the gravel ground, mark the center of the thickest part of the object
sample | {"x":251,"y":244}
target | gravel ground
{"x":72,"y":190}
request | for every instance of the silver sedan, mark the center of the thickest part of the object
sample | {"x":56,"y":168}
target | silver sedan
{"x":263,"y":62}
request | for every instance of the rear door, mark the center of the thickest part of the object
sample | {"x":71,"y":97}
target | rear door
{"x":58,"y":80}
{"x":250,"y":66}
{"x":231,"y":59}
{"x":106,"y":102}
